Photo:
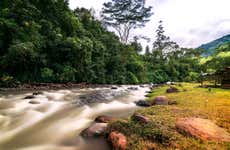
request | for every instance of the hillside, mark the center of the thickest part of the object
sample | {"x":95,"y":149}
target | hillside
{"x":211,"y":46}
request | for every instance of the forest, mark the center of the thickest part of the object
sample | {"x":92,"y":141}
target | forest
{"x":46,"y":42}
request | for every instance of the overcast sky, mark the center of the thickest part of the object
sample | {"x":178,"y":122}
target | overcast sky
{"x":190,"y":23}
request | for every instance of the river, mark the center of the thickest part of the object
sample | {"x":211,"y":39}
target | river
{"x":54,"y":119}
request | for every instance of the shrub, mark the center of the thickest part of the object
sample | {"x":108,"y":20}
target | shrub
{"x":47,"y":74}
{"x":8,"y":81}
{"x":68,"y":74}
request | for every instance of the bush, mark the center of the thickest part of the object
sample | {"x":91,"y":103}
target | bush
{"x":47,"y":74}
{"x":131,"y":78}
{"x":193,"y":76}
{"x":68,"y":74}
{"x":8,"y":81}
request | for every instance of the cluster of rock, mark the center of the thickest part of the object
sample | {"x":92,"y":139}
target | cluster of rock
{"x":159,"y":100}
{"x":33,"y":96}
{"x":117,"y":139}
{"x":99,"y":128}
{"x":98,"y":96}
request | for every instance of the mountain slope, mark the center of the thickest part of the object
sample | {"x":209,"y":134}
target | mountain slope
{"x":211,"y":46}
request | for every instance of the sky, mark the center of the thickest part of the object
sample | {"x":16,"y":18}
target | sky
{"x":190,"y":23}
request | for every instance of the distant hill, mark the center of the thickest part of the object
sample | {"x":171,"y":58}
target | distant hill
{"x":211,"y":46}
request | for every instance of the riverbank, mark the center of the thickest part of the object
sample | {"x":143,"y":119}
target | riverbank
{"x":208,"y":106}
{"x":52,"y":86}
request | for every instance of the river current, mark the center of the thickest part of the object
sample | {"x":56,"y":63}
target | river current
{"x":54,"y":119}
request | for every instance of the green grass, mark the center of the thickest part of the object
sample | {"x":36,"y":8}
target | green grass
{"x":160,"y":133}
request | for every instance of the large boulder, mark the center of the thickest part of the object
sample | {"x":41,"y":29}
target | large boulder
{"x":203,"y":129}
{"x":105,"y":119}
{"x":143,"y":103}
{"x":172,"y":89}
{"x":118,"y":140}
{"x":160,"y":100}
{"x":141,"y":118}
{"x":96,"y":129}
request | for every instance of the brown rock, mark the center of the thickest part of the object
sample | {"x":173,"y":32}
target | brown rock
{"x":96,"y":129}
{"x":203,"y":129}
{"x":141,"y":118}
{"x":118,"y":140}
{"x":34,"y":102}
{"x":105,"y":119}
{"x":172,"y":90}
{"x":160,"y":100}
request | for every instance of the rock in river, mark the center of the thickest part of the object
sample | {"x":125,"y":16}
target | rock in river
{"x":104,"y":119}
{"x":118,"y":140}
{"x":143,"y":103}
{"x":34,"y":102}
{"x":38,"y":93}
{"x":30,"y":97}
{"x":114,"y":88}
{"x":133,"y":88}
{"x":203,"y":129}
{"x":96,"y":129}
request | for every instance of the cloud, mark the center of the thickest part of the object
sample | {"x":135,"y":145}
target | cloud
{"x":190,"y":23}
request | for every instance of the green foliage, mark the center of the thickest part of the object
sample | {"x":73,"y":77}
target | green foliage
{"x":47,"y":74}
{"x":219,"y":60}
{"x":8,"y":81}
{"x":131,"y":78}
{"x":45,"y":41}
{"x":68,"y":74}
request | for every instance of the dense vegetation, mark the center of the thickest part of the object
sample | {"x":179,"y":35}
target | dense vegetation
{"x":45,"y":41}
{"x":218,"y":61}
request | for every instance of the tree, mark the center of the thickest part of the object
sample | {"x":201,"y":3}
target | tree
{"x":147,"y":50}
{"x":163,"y":43}
{"x":136,"y":45}
{"x":125,"y":15}
{"x":161,"y":40}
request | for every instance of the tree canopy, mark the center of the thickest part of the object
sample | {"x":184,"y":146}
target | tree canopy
{"x":125,"y":15}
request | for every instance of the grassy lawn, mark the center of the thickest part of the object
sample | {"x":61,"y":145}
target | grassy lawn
{"x":160,"y":133}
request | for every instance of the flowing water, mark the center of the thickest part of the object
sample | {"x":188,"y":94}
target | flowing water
{"x":54,"y":120}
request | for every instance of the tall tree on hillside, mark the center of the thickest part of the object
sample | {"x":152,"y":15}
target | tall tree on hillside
{"x":125,"y":15}
{"x":147,"y":50}
{"x":163,"y":42}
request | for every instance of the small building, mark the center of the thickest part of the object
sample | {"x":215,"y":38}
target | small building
{"x":220,"y":78}
{"x":225,"y":83}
